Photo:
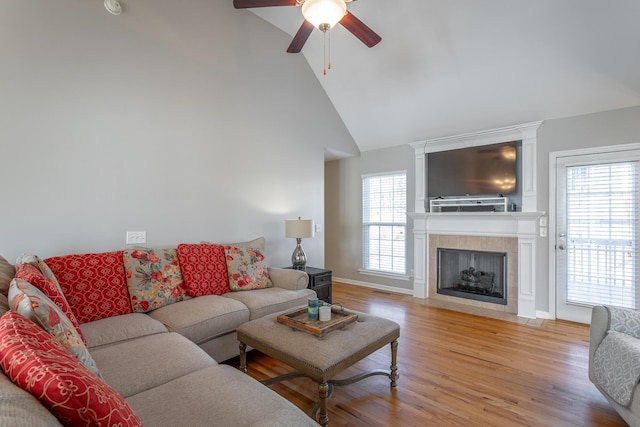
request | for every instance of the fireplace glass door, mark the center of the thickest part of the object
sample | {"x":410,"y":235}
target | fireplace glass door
{"x":477,"y":275}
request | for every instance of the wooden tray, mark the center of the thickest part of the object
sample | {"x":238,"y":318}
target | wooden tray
{"x":299,"y":319}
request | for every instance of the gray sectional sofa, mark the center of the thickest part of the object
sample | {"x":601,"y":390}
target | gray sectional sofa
{"x":165,"y":363}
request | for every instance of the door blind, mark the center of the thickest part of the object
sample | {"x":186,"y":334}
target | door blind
{"x":602,"y":234}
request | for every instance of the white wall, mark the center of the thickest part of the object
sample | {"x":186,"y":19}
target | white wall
{"x":188,"y":121}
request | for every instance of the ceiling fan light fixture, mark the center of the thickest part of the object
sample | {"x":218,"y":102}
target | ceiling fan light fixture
{"x":323,"y":13}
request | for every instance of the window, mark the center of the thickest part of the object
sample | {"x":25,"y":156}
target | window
{"x":384,"y":222}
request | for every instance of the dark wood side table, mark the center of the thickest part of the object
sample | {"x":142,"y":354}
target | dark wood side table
{"x":320,"y":281}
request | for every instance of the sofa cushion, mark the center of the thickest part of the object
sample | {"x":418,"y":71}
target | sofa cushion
{"x":51,"y":288}
{"x":266,"y":301}
{"x":153,"y":278}
{"x":32,"y":359}
{"x":4,"y":304}
{"x":7,"y":273}
{"x":204,"y":269}
{"x":247,"y":269}
{"x":94,"y":284}
{"x":125,"y":327}
{"x":31,"y":303}
{"x":243,"y":403}
{"x":18,"y":407}
{"x":616,"y":366}
{"x":149,"y":362}
{"x":203,"y":318}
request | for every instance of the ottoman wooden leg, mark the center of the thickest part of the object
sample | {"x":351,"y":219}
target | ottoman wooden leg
{"x":394,"y":367}
{"x":323,"y":391}
{"x":243,"y":357}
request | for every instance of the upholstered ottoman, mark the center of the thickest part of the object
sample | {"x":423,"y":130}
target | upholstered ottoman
{"x":321,"y":358}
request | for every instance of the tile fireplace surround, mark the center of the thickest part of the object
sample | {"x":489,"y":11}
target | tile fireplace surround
{"x":515,"y":233}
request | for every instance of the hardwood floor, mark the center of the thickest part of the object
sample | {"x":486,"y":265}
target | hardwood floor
{"x":458,"y":369}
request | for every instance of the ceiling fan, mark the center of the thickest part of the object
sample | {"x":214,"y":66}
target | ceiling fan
{"x":321,"y":14}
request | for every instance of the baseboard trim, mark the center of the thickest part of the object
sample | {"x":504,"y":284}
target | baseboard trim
{"x":544,"y":315}
{"x":374,"y":286}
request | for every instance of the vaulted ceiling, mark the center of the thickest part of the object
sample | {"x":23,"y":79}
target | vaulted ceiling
{"x":457,"y":66}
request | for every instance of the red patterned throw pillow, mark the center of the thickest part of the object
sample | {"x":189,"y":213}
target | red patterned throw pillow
{"x":34,"y":361}
{"x":247,"y":269}
{"x":94,"y":284}
{"x":30,"y":273}
{"x":204,"y":269}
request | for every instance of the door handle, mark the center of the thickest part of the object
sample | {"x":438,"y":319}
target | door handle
{"x":560,"y":244}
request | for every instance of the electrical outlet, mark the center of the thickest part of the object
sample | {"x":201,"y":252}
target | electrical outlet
{"x":543,"y":231}
{"x":136,"y":237}
{"x":318,"y":228}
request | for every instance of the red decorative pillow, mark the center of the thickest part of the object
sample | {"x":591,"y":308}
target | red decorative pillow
{"x":204,"y":269}
{"x":30,"y":273}
{"x":37,"y":363}
{"x":94,"y":284}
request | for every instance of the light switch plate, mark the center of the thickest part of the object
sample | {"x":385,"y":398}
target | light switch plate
{"x":136,"y":237}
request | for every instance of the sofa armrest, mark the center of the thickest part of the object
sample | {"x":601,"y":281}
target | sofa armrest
{"x":600,"y":320}
{"x":289,"y":278}
{"x":604,"y":319}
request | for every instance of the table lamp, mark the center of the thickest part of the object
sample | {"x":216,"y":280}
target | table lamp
{"x":298,"y":229}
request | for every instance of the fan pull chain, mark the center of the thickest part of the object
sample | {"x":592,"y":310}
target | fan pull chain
{"x":329,"y":48}
{"x":324,"y":52}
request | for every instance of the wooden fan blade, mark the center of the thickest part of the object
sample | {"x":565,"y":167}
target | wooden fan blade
{"x":360,"y":30}
{"x":246,"y":4}
{"x":301,"y":37}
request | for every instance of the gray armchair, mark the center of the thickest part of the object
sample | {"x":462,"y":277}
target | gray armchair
{"x":614,"y":359}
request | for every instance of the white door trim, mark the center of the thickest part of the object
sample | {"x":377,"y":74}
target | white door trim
{"x":553,"y":232}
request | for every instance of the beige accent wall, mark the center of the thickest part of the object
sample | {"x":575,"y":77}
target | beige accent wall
{"x":343,"y":212}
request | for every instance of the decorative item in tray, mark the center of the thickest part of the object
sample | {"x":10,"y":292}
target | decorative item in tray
{"x":299,"y":319}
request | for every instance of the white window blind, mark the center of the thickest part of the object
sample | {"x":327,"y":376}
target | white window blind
{"x":384,"y":222}
{"x":602,"y":234}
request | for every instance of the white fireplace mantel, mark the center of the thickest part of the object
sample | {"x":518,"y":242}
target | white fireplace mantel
{"x":521,"y":225}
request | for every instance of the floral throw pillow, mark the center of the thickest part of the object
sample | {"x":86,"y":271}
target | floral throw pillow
{"x":247,"y":269}
{"x":37,"y":363}
{"x":27,"y":300}
{"x":154,"y":278}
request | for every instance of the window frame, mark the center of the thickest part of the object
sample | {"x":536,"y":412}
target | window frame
{"x":366,"y":223}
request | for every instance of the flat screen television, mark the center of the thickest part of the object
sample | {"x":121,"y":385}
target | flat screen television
{"x":487,"y":170}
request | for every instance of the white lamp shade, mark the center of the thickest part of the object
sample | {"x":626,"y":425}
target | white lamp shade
{"x":298,"y":228}
{"x":324,"y":11}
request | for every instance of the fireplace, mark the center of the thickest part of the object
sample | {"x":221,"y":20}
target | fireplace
{"x":471,"y":274}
